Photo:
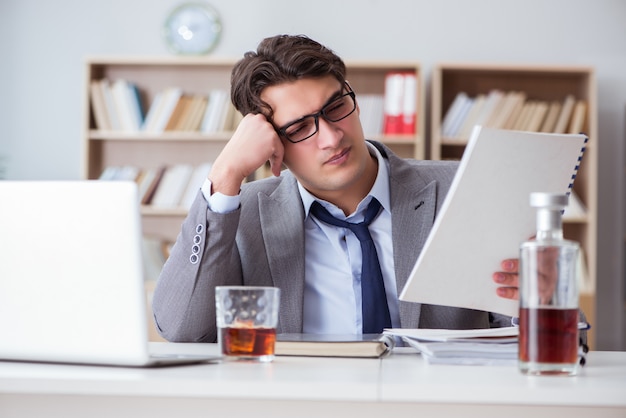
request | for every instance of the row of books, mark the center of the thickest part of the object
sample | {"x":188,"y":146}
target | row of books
{"x":400,"y":104}
{"x":164,"y":187}
{"x":512,"y":110}
{"x":117,"y":105}
{"x":395,"y":111}
{"x":371,"y":108}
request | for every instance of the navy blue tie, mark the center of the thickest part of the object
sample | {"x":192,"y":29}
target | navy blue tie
{"x":374,"y":300}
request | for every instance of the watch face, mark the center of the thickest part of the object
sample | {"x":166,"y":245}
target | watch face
{"x":192,"y":28}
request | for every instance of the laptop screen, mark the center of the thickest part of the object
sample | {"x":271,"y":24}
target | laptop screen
{"x":71,"y":281}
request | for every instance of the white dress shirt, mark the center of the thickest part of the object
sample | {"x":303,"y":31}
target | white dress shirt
{"x":332,"y":292}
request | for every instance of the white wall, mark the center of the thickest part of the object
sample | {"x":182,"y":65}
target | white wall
{"x":43,"y":43}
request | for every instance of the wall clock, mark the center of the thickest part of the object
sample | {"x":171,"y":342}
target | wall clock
{"x":192,"y":28}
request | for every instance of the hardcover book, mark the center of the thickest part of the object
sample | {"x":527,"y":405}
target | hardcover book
{"x":334,"y":345}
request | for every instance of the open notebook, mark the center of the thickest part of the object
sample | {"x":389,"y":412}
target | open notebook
{"x":71,"y":280}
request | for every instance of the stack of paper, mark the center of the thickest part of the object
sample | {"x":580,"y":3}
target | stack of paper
{"x":492,"y":346}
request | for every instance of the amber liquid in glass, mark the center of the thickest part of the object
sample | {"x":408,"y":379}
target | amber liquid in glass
{"x":548,"y":335}
{"x":248,"y":342}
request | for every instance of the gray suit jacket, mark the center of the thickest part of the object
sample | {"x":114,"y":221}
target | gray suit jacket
{"x":262,"y":243}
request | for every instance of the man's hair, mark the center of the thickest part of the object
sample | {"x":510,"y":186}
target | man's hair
{"x":280,"y":59}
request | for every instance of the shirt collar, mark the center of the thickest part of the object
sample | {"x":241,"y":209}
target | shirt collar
{"x":380,"y":189}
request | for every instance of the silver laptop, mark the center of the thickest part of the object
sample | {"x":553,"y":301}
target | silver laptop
{"x":71,"y":279}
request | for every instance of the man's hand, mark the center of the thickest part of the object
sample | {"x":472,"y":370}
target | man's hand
{"x":508,"y":279}
{"x":254,"y":142}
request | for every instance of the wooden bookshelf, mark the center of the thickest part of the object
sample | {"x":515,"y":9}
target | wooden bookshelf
{"x":539,"y":83}
{"x":197,"y":76}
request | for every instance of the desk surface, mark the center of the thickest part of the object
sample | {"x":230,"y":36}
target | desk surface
{"x":401,"y":383}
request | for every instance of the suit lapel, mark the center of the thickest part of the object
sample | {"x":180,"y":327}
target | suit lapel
{"x":282,"y":227}
{"x":413,"y":207}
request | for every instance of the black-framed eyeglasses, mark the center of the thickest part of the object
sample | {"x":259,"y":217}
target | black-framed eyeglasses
{"x":307,"y":126}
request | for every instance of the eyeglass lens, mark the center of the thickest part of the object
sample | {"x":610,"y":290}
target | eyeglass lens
{"x":333,"y":112}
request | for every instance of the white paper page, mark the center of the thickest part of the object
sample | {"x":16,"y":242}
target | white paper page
{"x":486,"y":215}
{"x":425,"y":334}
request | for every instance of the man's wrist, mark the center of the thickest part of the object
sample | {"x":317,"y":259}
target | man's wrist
{"x":219,"y":202}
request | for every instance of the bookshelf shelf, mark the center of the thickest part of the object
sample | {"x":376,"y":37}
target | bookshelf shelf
{"x":537,"y":83}
{"x":148,"y":210}
{"x":163,"y":137}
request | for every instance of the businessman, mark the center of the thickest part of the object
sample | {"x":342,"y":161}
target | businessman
{"x":295,"y":230}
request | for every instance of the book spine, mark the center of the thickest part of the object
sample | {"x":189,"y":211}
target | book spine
{"x":452,"y":113}
{"x":109,"y":101}
{"x":121,"y":99}
{"x":394,"y":88}
{"x":136,"y":105}
{"x":409,"y":104}
{"x":565,"y":115}
{"x":371,"y":115}
{"x":98,"y":105}
{"x":146,"y":199}
{"x":460,"y":117}
{"x":170,"y":100}
{"x":578,"y":117}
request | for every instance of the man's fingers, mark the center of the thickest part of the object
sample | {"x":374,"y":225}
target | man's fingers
{"x":510,"y":265}
{"x":507,"y":279}
{"x":276,"y":160}
{"x":508,"y":292}
{"x":275,"y":166}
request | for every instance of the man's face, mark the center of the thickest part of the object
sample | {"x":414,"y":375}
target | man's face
{"x":333,"y":161}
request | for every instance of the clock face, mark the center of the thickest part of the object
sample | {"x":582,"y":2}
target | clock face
{"x":192,"y":29}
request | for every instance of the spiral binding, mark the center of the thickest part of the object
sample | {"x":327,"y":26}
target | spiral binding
{"x":580,"y":158}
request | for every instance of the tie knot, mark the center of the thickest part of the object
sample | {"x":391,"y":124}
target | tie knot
{"x":359,"y":229}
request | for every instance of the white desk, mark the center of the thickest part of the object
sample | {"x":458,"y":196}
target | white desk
{"x":310,"y":387}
